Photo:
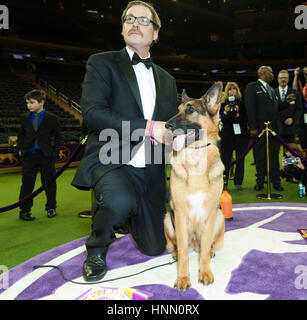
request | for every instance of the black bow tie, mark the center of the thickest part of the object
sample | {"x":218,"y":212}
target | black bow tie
{"x":136,"y":59}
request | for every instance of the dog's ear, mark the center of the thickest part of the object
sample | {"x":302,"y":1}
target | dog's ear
{"x":212,"y":98}
{"x":184,"y":97}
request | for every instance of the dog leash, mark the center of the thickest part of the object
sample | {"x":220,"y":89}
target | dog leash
{"x":102,"y":281}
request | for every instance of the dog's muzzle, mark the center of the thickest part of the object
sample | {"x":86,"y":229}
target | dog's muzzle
{"x":184,"y":132}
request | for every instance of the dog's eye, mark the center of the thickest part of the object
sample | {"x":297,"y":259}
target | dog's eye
{"x":190,"y":109}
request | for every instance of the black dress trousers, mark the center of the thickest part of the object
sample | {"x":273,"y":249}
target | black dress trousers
{"x":133,"y":194}
{"x":31,"y":163}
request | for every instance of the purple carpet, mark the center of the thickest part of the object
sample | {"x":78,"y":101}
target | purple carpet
{"x":264,"y":257}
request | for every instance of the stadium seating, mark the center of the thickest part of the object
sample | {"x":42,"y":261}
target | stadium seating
{"x":12,"y":105}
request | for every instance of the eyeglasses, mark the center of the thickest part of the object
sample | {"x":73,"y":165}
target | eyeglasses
{"x":144,"y":21}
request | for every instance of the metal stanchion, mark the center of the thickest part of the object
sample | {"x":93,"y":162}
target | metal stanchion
{"x":268,"y":195}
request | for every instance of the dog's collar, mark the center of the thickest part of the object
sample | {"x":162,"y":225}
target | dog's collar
{"x":204,"y":146}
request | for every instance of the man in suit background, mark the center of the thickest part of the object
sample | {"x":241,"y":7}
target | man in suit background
{"x":289,"y":106}
{"x":123,"y":94}
{"x":39,"y":140}
{"x":262,"y":105}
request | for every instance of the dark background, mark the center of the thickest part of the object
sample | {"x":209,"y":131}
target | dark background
{"x":232,"y":38}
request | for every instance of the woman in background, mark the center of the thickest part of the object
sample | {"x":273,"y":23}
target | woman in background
{"x":234,"y":134}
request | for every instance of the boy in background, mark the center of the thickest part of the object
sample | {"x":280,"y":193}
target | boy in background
{"x":39,"y":141}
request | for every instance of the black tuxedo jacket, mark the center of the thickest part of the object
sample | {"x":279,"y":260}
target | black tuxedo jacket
{"x":110,"y":95}
{"x":287,"y":110}
{"x":48,"y":135}
{"x":260,"y":107}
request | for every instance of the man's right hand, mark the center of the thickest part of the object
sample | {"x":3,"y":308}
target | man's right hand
{"x":159,"y":132}
{"x":296,"y":72}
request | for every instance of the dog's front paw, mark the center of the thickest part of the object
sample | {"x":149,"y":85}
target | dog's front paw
{"x":182,"y":283}
{"x":206,"y":277}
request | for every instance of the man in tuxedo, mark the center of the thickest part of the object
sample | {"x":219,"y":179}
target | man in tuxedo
{"x":123,"y":92}
{"x":289,"y":106}
{"x":262,"y":105}
{"x":39,"y":140}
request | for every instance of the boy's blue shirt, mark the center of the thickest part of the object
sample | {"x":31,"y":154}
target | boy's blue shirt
{"x":40,"y":119}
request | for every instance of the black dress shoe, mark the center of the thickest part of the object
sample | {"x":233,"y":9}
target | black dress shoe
{"x":26,"y":216}
{"x":94,"y":268}
{"x":291,"y":180}
{"x":278,"y":187}
{"x":51,"y":213}
{"x":258,"y":187}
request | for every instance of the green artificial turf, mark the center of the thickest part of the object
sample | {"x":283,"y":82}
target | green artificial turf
{"x":21,"y":240}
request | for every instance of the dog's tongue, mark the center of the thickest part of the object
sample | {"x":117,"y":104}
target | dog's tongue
{"x":178,"y":142}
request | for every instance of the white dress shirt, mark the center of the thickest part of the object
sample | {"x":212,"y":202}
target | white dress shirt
{"x":147,"y":89}
{"x":264,"y":83}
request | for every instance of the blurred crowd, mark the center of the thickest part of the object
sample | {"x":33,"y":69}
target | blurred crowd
{"x":242,"y":117}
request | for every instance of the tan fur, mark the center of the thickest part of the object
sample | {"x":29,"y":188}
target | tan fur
{"x":196,"y":184}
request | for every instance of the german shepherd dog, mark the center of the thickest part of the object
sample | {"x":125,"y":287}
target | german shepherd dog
{"x":196,"y":185}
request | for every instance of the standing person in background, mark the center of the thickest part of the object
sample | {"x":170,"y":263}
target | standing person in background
{"x":39,"y":141}
{"x":262,"y":105}
{"x":301,"y":85}
{"x":234,"y":134}
{"x":289,"y":106}
{"x":125,"y":86}
{"x":296,"y":168}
